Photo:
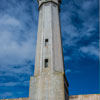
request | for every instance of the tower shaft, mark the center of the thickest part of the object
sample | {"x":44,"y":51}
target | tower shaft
{"x":49,"y":82}
{"x":49,"y":39}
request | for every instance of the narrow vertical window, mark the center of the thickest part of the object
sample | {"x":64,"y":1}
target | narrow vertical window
{"x":46,"y":63}
{"x":46,"y":42}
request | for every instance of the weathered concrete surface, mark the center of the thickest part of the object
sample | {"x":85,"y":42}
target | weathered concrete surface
{"x":48,"y":80}
{"x":47,"y":86}
{"x":49,"y":28}
{"x":76,"y":97}
{"x":85,"y":97}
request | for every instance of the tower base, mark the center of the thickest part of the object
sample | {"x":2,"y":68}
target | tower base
{"x":48,"y":86}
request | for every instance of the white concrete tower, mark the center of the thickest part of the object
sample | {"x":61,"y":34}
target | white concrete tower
{"x":49,"y":82}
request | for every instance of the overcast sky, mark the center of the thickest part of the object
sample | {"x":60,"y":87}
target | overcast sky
{"x":18,"y":34}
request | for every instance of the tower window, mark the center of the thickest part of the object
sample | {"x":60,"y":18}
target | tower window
{"x":46,"y":63}
{"x":46,"y":42}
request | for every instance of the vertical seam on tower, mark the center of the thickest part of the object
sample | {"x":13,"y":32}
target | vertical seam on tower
{"x":41,"y":43}
{"x":52,"y":37}
{"x":43,"y":38}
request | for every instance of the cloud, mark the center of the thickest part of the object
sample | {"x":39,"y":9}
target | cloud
{"x":90,"y":50}
{"x":18,"y":31}
{"x":17,"y":37}
{"x":6,"y":95}
{"x":72,"y":71}
{"x":68,"y":71}
{"x":9,"y":84}
{"x":80,"y":28}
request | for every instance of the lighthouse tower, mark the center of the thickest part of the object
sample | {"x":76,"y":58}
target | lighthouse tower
{"x":49,"y":82}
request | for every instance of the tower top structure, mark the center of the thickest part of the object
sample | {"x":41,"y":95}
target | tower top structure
{"x":41,"y":2}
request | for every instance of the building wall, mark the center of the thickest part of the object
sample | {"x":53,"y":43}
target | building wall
{"x":77,"y":97}
{"x":85,"y":97}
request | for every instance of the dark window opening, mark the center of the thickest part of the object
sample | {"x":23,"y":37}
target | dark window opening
{"x":46,"y":42}
{"x":46,"y":63}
